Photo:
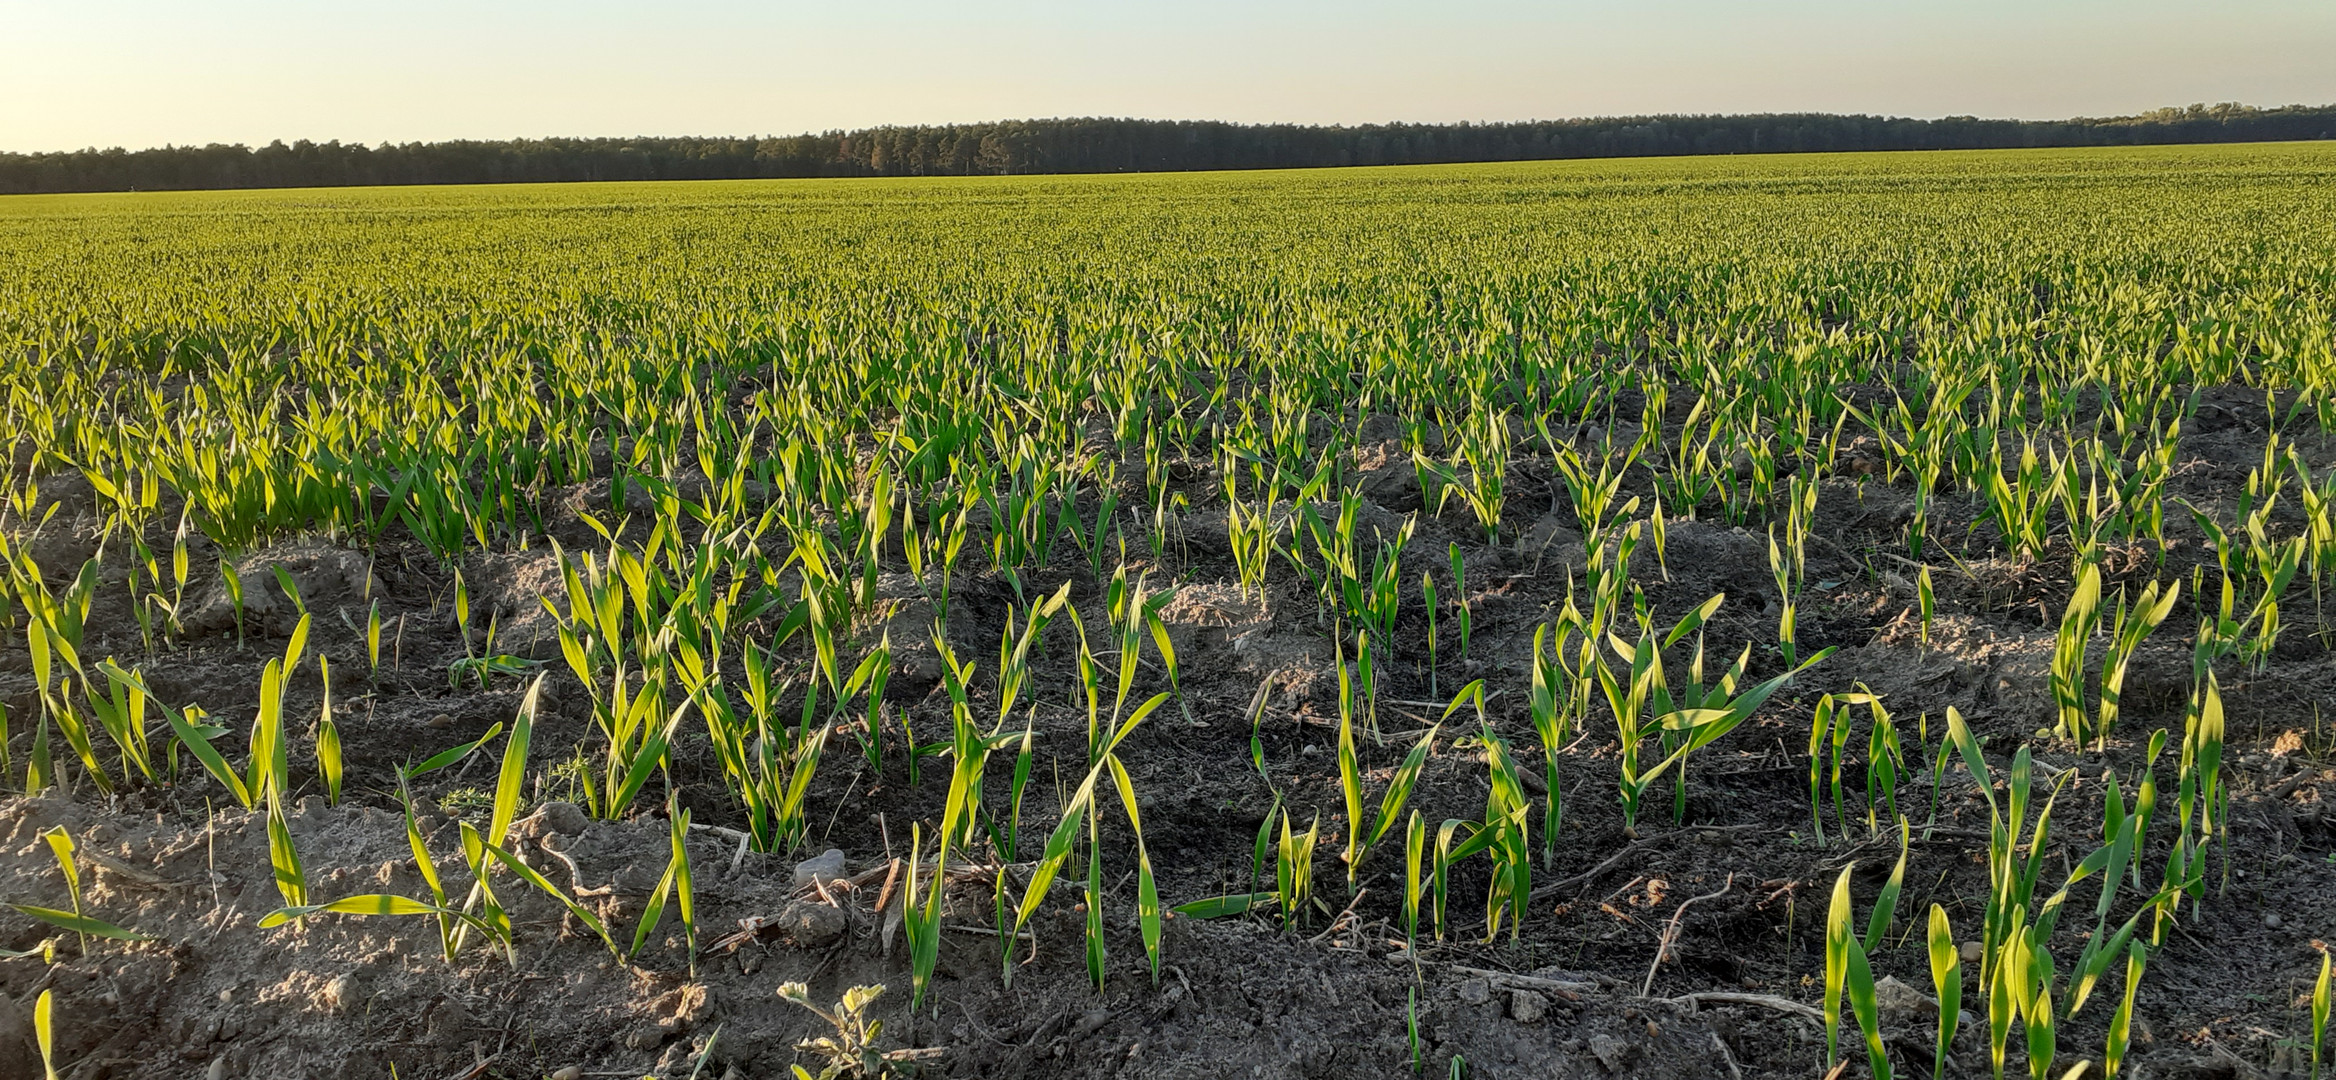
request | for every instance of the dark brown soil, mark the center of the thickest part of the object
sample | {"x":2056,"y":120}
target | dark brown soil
{"x":364,"y":998}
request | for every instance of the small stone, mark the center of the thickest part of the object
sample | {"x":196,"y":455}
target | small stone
{"x":809,"y":925}
{"x":2272,"y":921}
{"x":1090,"y":1023}
{"x":564,"y":818}
{"x":217,"y":1071}
{"x":441,"y":721}
{"x":1901,"y":1004}
{"x":1610,"y":1052}
{"x":568,"y":1072}
{"x":825,"y":867}
{"x":1527,"y":1007}
{"x":1974,"y":951}
{"x":1476,"y":991}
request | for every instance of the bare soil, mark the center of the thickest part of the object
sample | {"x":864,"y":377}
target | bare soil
{"x":1579,"y":992}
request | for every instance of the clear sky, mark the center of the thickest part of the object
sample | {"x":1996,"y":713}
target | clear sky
{"x":135,"y":73}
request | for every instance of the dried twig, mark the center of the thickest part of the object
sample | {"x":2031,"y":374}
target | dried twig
{"x":891,"y":877}
{"x":1342,"y":917}
{"x":990,"y":931}
{"x":1671,"y":931}
{"x":1726,"y":1056}
{"x":1560,"y":987}
{"x":576,"y":876}
{"x":1614,"y":860}
{"x":1765,"y":1001}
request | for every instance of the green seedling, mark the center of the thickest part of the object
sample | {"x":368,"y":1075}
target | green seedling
{"x":1293,"y":870}
{"x":1848,"y":974}
{"x":2121,"y":1022}
{"x":1946,"y":975}
{"x":83,"y":926}
{"x":44,"y":1020}
{"x":2319,"y":1012}
{"x":328,"y":736}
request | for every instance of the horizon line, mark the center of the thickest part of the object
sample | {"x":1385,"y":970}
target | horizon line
{"x":2201,"y":110}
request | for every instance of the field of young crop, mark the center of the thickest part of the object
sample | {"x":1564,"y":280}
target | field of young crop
{"x":1680,"y":618}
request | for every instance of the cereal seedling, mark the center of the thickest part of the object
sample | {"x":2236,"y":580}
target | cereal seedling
{"x":61,"y":845}
{"x":1415,"y":837}
{"x":1293,"y":870}
{"x":234,"y":586}
{"x":1094,"y":904}
{"x":1550,"y":702}
{"x":1427,"y":590}
{"x":373,"y":638}
{"x":44,"y":1016}
{"x":2077,"y":625}
{"x":2128,"y":629}
{"x":674,"y":884}
{"x":328,"y":736}
{"x":2121,"y":1021}
{"x":1926,"y":597}
{"x":1411,"y":1027}
{"x":1148,"y":919}
{"x":1848,"y":973}
{"x":2319,"y":1012}
{"x":1460,"y":606}
{"x":1946,"y":976}
{"x":291,"y":589}
{"x":283,"y":857}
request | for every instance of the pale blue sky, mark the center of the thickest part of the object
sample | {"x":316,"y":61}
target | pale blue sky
{"x":77,"y":73}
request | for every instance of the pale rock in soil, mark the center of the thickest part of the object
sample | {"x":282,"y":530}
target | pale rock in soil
{"x":1527,"y":1006}
{"x":822,"y":868}
{"x":808,"y":924}
{"x":1901,"y":1004}
{"x":1611,"y":1052}
{"x":555,"y":819}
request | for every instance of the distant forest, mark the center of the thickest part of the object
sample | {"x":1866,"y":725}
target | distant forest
{"x":1022,"y":147}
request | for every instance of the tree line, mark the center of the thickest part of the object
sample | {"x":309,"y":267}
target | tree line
{"x":1096,"y":145}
